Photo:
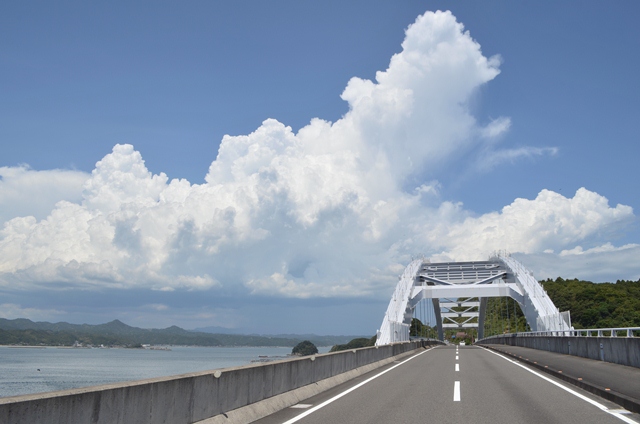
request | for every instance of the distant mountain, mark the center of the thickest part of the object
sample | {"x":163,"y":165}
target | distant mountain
{"x":219,"y":332}
{"x":27,"y":332}
{"x":24,"y":331}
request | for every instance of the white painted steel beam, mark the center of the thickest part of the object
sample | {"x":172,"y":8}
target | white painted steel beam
{"x":501,"y":276}
{"x":460,"y":314}
{"x":459,"y":325}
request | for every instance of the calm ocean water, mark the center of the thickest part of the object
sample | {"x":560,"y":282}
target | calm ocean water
{"x":35,"y":370}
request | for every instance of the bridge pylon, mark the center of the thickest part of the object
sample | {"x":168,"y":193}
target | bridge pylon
{"x":459,"y":293}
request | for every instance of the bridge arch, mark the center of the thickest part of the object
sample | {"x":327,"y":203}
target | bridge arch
{"x":500,"y":276}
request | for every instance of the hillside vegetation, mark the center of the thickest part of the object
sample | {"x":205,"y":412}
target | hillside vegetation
{"x":592,"y":305}
{"x":597,"y":305}
{"x":355,"y":344}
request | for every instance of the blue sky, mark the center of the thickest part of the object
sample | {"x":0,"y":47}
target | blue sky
{"x":306,"y":231}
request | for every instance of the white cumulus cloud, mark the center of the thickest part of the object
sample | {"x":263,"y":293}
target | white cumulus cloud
{"x":317,"y":213}
{"x":27,"y":192}
{"x":605,"y":263}
{"x":548,"y":222}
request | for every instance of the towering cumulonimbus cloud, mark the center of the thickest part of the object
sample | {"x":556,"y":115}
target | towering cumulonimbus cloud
{"x":321,"y":212}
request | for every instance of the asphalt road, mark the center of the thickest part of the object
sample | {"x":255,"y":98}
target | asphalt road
{"x":620,"y":379}
{"x":492,"y":389}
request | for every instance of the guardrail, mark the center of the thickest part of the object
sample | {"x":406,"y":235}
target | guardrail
{"x":589,"y":332}
{"x":619,"y":345}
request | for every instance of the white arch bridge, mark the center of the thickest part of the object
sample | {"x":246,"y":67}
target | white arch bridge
{"x":459,"y":293}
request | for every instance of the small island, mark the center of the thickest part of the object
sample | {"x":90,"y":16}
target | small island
{"x":304,"y":348}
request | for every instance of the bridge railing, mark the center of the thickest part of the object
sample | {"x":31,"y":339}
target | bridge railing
{"x":588,"y":332}
{"x":618,"y":345}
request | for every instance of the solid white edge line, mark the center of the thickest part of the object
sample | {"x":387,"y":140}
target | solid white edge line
{"x":338,"y":396}
{"x":456,"y":391}
{"x":567,"y":389}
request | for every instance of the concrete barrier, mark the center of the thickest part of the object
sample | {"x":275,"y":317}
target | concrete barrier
{"x":618,"y":350}
{"x":190,"y":398}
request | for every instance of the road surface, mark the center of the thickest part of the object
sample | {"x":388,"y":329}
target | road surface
{"x":447,"y":384}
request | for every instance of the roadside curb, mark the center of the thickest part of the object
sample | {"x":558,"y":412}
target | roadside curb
{"x":627,"y":402}
{"x":255,"y":411}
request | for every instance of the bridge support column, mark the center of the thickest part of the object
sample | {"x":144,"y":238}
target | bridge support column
{"x":482,"y":311}
{"x":438,"y":314}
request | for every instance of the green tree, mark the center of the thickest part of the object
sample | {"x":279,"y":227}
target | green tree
{"x":416,"y":328}
{"x":597,"y":305}
{"x":592,"y":305}
{"x":305,"y":348}
{"x":355,"y":344}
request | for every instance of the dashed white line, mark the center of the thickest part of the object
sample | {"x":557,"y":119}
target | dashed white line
{"x":456,"y":392}
{"x":456,"y":357}
{"x":457,"y":367}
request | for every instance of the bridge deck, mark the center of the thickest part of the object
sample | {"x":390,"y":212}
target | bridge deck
{"x":595,"y":376}
{"x":492,"y":389}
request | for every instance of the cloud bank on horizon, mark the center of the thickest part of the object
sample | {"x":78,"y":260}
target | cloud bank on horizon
{"x":329,"y":211}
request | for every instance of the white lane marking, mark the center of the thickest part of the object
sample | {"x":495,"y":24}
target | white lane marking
{"x":338,"y":396}
{"x":620,"y":411}
{"x":457,"y":357}
{"x":457,"y":367}
{"x":613,"y":412}
{"x":456,"y":392}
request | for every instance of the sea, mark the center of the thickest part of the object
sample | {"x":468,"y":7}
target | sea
{"x":25,"y":370}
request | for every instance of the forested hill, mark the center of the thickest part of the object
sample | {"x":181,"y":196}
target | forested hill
{"x":597,"y":305}
{"x":26,"y":332}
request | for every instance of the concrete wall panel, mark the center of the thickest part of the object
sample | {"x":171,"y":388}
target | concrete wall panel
{"x":618,"y":350}
{"x":205,"y":390}
{"x":323,"y":367}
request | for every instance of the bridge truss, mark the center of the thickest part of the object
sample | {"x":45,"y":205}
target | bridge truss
{"x":459,"y":292}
